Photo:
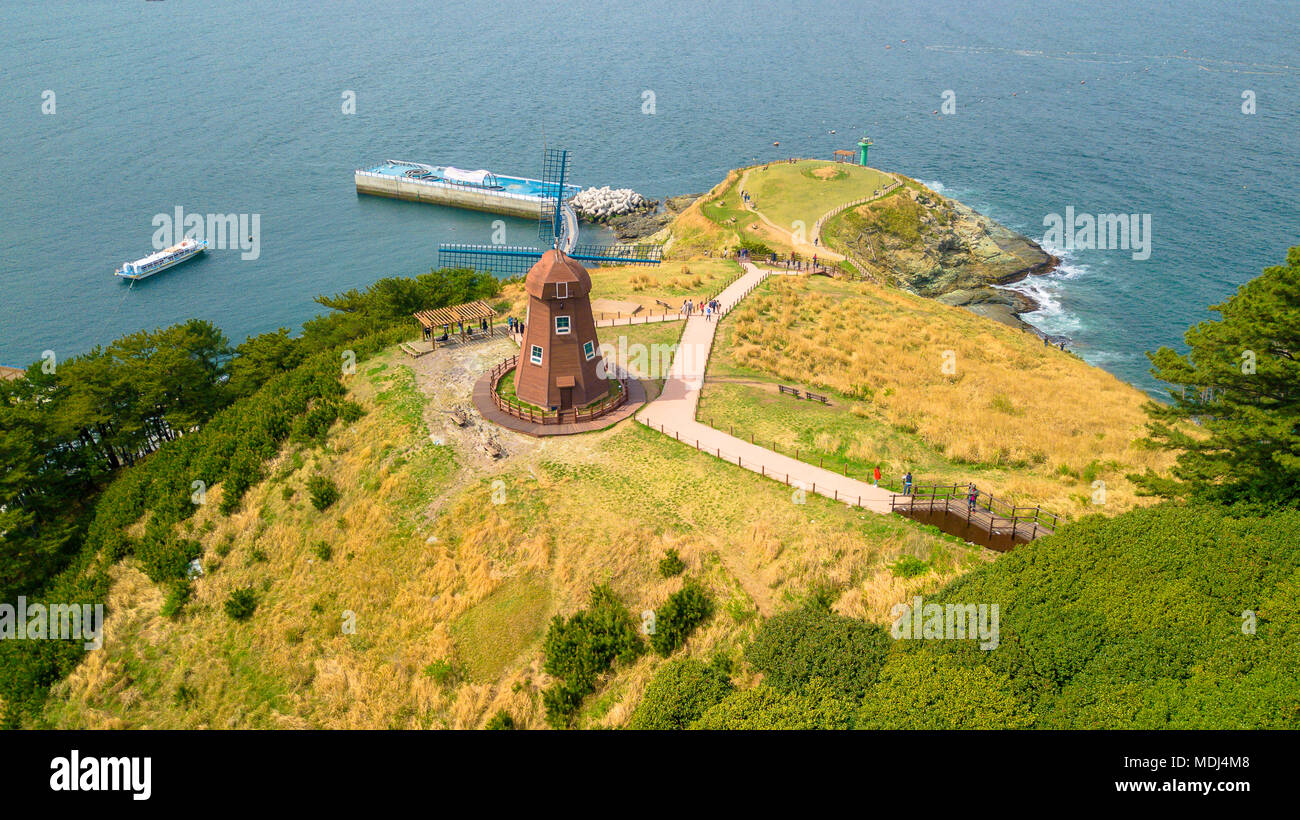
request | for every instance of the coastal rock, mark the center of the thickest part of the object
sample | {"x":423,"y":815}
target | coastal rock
{"x":649,"y":220}
{"x":933,"y":245}
{"x":998,"y":304}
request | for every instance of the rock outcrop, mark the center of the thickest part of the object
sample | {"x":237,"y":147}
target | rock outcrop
{"x":937,"y":247}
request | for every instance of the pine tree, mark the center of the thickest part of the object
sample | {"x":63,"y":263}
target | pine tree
{"x":1234,"y":412}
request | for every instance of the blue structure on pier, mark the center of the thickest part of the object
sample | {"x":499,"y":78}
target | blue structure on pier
{"x":557,"y":228}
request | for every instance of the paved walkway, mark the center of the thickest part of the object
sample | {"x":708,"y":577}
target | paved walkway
{"x":673,"y":414}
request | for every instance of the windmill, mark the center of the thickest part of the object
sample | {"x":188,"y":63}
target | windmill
{"x":557,"y":228}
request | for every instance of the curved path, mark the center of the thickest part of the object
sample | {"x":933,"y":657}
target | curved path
{"x":806,"y":247}
{"x":673,"y":414}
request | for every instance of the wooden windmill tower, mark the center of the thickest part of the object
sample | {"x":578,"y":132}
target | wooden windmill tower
{"x":559,"y":361}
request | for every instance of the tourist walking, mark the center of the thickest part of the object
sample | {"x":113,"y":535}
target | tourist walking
{"x":907,"y":483}
{"x":708,"y":313}
{"x":971,"y":495}
{"x":875,"y":476}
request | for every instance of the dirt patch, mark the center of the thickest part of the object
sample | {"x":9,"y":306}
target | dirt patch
{"x":446,"y":377}
{"x":827,"y":173}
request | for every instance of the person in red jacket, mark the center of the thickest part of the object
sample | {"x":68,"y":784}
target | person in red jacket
{"x":875,"y":476}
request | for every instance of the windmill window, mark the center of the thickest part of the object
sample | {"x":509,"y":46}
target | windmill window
{"x":535,"y":355}
{"x":589,"y":350}
{"x":561,"y":290}
{"x":562,"y":325}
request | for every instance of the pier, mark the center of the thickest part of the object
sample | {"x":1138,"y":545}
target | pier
{"x":512,"y":196}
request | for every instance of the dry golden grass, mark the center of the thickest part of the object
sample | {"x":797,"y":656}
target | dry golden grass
{"x":643,"y":285}
{"x":452,"y":592}
{"x":971,"y":389}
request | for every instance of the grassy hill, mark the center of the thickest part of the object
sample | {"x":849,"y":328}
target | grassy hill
{"x":923,"y":386}
{"x":806,"y":190}
{"x":451,"y":566}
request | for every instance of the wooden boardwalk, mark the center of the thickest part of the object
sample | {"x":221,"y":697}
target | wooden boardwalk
{"x":989,"y":522}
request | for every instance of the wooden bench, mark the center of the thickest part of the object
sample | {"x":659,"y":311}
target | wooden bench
{"x":459,"y":417}
{"x":790,"y":390}
{"x":816,"y":397}
{"x":665,"y":304}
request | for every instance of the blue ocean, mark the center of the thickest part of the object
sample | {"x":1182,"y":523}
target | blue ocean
{"x":115,"y":112}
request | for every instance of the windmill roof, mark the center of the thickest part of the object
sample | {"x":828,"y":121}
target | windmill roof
{"x":553,"y":268}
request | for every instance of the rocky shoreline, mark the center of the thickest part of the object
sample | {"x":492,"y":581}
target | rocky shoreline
{"x":944,"y":250}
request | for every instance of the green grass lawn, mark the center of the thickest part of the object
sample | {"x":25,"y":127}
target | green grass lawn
{"x":501,"y":627}
{"x":835,"y":437}
{"x":788,"y":193}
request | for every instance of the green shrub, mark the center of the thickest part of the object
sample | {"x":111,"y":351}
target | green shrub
{"x":796,"y":647}
{"x":679,"y":616}
{"x":579,"y":649}
{"x":671,"y":564}
{"x":679,"y":694}
{"x":324,"y":492}
{"x":162,"y":555}
{"x":909,"y":566}
{"x":350,"y":411}
{"x":322,"y":550}
{"x":501,"y":720}
{"x":919,"y":690}
{"x":814,"y":705}
{"x":179,"y":593}
{"x":241,"y":604}
{"x":441,"y":671}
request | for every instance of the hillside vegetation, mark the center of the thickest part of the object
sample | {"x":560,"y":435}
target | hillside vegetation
{"x":452,"y":568}
{"x":1163,"y":618}
{"x":804,"y":191}
{"x":922,"y":386}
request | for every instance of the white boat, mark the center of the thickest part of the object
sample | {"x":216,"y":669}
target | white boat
{"x":161,"y":260}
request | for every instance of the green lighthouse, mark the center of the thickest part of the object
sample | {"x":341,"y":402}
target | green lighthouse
{"x":863,"y":145}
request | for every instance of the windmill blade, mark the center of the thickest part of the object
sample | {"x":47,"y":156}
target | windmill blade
{"x":555,"y":171}
{"x":619,"y":254}
{"x":499,"y":259}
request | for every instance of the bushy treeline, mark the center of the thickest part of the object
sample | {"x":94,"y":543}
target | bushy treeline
{"x":73,"y":445}
{"x":1176,"y":616}
{"x":70,"y":426}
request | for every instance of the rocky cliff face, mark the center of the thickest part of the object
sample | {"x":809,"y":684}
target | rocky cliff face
{"x":940,"y":248}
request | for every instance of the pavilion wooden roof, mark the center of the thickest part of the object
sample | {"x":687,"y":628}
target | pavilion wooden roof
{"x":468,"y":312}
{"x":841,"y":152}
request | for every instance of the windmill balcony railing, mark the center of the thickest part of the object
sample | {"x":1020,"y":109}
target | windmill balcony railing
{"x":538,"y":416}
